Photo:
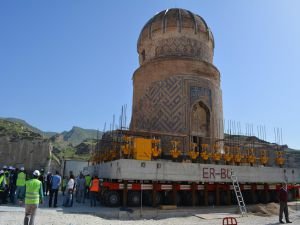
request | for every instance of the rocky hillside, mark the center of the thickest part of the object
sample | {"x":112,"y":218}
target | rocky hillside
{"x":74,"y":144}
{"x":16,"y":130}
{"x":20,"y":146}
{"x":29,"y":127}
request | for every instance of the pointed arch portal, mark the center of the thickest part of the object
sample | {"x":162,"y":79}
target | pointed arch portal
{"x":200,"y":120}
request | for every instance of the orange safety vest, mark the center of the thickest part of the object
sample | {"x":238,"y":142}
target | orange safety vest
{"x":95,"y":185}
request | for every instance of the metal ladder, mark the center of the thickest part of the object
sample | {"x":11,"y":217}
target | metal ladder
{"x":238,"y":194}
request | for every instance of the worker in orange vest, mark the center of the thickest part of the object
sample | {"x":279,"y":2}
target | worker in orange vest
{"x":94,"y":190}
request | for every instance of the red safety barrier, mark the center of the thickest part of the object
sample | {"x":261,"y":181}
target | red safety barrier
{"x":229,"y":221}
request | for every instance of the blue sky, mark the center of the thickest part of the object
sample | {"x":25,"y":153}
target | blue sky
{"x":66,"y":63}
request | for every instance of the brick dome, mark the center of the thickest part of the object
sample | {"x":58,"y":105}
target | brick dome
{"x":175,"y":33}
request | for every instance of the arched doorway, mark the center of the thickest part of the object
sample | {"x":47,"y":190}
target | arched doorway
{"x":200,"y":123}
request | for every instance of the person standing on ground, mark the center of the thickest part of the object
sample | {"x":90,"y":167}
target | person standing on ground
{"x":2,"y":187}
{"x":81,"y":189}
{"x":70,"y":189}
{"x":48,"y":183}
{"x":283,"y":199}
{"x":55,"y":184}
{"x":42,"y":179}
{"x":12,"y":184}
{"x":88,"y":179}
{"x":63,"y":185}
{"x":33,"y":196}
{"x":20,"y":183}
{"x":94,"y":190}
{"x":6,"y":190}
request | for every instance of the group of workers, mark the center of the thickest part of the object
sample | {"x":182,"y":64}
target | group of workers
{"x":12,"y":184}
{"x":16,"y":184}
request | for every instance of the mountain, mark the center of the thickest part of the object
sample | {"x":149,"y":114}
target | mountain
{"x":28,"y":126}
{"x":77,"y":135}
{"x":76,"y":143}
{"x":16,"y":130}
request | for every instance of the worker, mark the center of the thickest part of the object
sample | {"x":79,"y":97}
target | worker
{"x":55,"y":184}
{"x":6,"y":190}
{"x":12,"y":184}
{"x":42,"y":179}
{"x":2,"y":187}
{"x":88,"y":179}
{"x":48,"y":183}
{"x":33,"y":196}
{"x":283,"y":198}
{"x":80,"y":185}
{"x":20,"y":191}
{"x":70,"y":189}
{"x":63,"y":185}
{"x":94,"y":190}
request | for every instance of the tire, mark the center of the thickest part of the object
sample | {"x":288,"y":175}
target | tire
{"x":247,"y":196}
{"x":201,"y":197}
{"x":112,"y":199}
{"x":134,"y":198}
{"x":223,"y":198}
{"x":291,"y":195}
{"x":233,"y":198}
{"x":273,"y":196}
{"x":147,"y":198}
{"x":104,"y":197}
{"x":169,"y":198}
{"x":187,"y":198}
{"x":211,"y":198}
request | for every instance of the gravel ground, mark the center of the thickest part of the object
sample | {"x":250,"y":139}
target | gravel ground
{"x":81,"y":214}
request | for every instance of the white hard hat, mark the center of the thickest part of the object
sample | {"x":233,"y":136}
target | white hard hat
{"x":4,"y":167}
{"x":22,"y":168}
{"x":36,"y":173}
{"x":1,"y":171}
{"x":10,"y":168}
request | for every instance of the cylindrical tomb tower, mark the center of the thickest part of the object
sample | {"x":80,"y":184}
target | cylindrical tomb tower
{"x":176,"y":89}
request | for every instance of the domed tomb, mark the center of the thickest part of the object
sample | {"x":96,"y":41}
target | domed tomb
{"x":175,"y":32}
{"x":176,"y":89}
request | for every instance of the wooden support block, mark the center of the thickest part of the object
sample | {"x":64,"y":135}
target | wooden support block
{"x":168,"y":207}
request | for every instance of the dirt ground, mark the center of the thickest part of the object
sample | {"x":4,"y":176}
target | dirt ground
{"x":81,"y":214}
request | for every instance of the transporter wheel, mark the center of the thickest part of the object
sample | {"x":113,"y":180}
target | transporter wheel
{"x":134,"y":198}
{"x":169,"y":200}
{"x":261,"y":196}
{"x":223,"y":198}
{"x":112,"y":198}
{"x":233,"y":198}
{"x":273,"y":196}
{"x":267,"y":197}
{"x":147,"y":198}
{"x":104,"y":197}
{"x":201,"y":197}
{"x":247,"y":196}
{"x":211,"y":198}
{"x":290,"y":195}
{"x":255,"y":198}
{"x":187,"y":198}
